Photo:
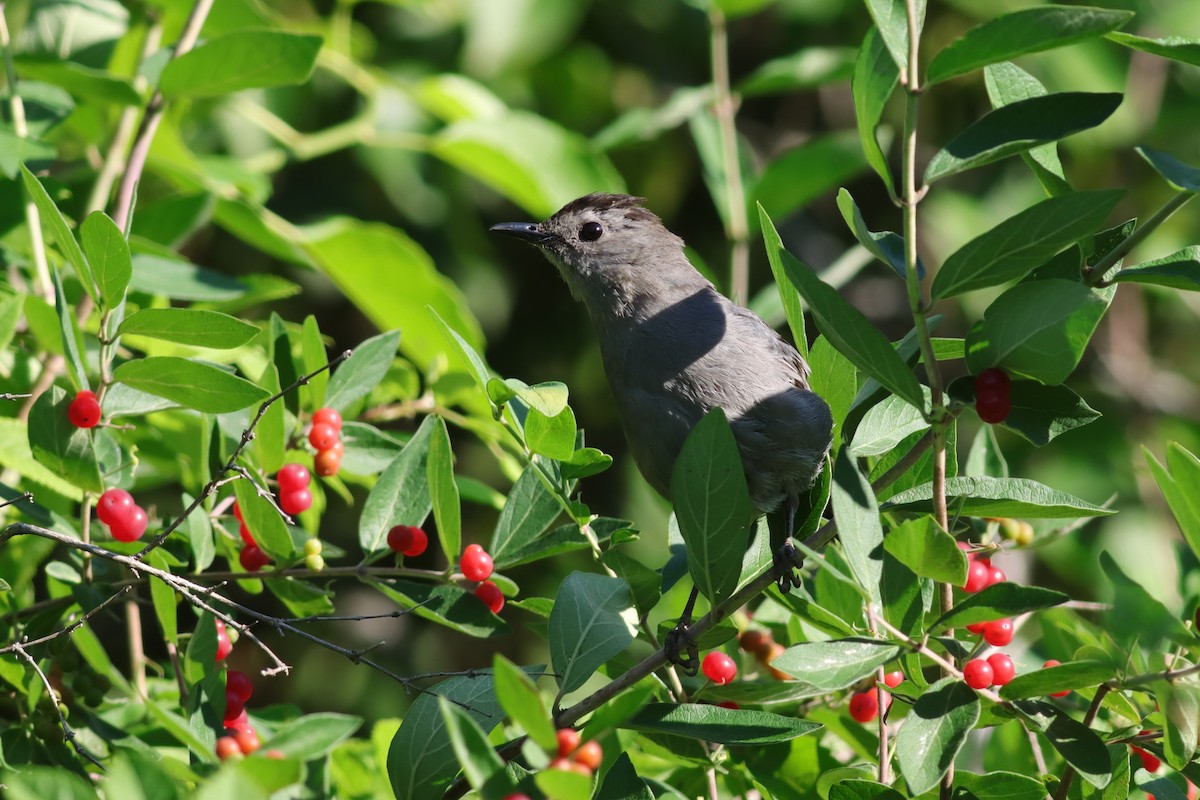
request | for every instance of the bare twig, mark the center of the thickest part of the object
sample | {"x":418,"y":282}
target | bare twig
{"x":68,"y":733}
{"x":67,"y":631}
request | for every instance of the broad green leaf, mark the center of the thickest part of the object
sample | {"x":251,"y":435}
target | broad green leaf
{"x":164,"y":599}
{"x":528,"y":512}
{"x":200,"y":658}
{"x":270,"y":436}
{"x":241,"y":60}
{"x":712,"y":505}
{"x":1074,"y":741}
{"x":934,"y":731}
{"x":998,"y":601}
{"x":313,"y":735}
{"x":1006,"y":84}
{"x":891,"y":20}
{"x":1029,"y":30}
{"x":564,"y":539}
{"x":1022,"y":242}
{"x":313,"y":357}
{"x":1038,"y":329}
{"x":885,"y":426}
{"x":886,"y":246}
{"x":189,"y":326}
{"x":549,"y":398}
{"x":523,"y":702}
{"x":584,"y":463}
{"x":1039,"y":413}
{"x":81,"y":81}
{"x":922,"y":546}
{"x":552,"y":437}
{"x":192,"y":384}
{"x":401,"y":495}
{"x":851,"y":333}
{"x":107,"y":253}
{"x":55,"y":223}
{"x":34,"y":782}
{"x":644,"y":582}
{"x":355,"y":377}
{"x":721,"y":725}
{"x":788,"y":294}
{"x":528,"y":159}
{"x":1180,"y":703}
{"x":264,"y":522}
{"x":834,"y":378}
{"x":443,"y":493}
{"x":394,"y":282}
{"x":1001,"y":497}
{"x":180,"y":280}
{"x":807,"y":68}
{"x":1179,"y":483}
{"x":1020,"y":126}
{"x":16,"y":151}
{"x":985,"y":458}
{"x":199,"y":532}
{"x":137,"y":776}
{"x":1048,"y":680}
{"x":59,"y":446}
{"x":1000,"y":785}
{"x":852,"y":789}
{"x":368,"y":449}
{"x":72,"y":344}
{"x":592,"y":621}
{"x":446,"y":604}
{"x":1180,"y":270}
{"x":621,"y":782}
{"x":859,"y":529}
{"x":563,"y":783}
{"x":1176,"y":48}
{"x":834,"y":665}
{"x":874,"y":81}
{"x":1136,"y":615}
{"x":480,"y":762}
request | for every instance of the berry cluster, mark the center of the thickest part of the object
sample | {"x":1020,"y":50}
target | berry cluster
{"x":583,"y":758}
{"x":84,"y":411}
{"x":476,"y":565}
{"x":996,"y":670}
{"x":126,"y":520}
{"x":407,"y":540}
{"x":764,"y":648}
{"x":239,"y":738}
{"x":294,"y":494}
{"x":993,"y":395}
{"x":325,"y":436}
{"x":864,"y":706}
{"x":980,"y":571}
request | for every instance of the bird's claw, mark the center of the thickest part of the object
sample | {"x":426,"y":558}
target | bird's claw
{"x":681,"y":649}
{"x":788,"y":559}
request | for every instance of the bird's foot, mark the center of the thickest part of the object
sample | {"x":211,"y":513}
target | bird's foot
{"x":788,"y":559}
{"x":680,"y":647}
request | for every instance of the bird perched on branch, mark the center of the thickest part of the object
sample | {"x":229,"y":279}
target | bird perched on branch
{"x":673,"y":348}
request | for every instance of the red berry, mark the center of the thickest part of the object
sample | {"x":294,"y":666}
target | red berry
{"x":419,"y":542}
{"x":292,"y":477}
{"x":1054,"y":663}
{"x":978,"y":628}
{"x":322,"y":436}
{"x":275,"y":753}
{"x":718,"y":667}
{"x":328,"y":462}
{"x":240,"y":684}
{"x":977,"y":576}
{"x":400,"y":538}
{"x":227,"y":748}
{"x":241,"y":723}
{"x":864,"y":706}
{"x":993,"y":407}
{"x":590,"y":754}
{"x":998,"y":633}
{"x":978,"y":673}
{"x":753,"y":640}
{"x":476,"y":564}
{"x":567,"y":765}
{"x":967,"y":547}
{"x":1003,"y":669}
{"x":246,"y":535}
{"x":517,"y":796}
{"x":252,"y":558}
{"x":996,"y":575}
{"x":328,"y":416}
{"x":295,"y":501}
{"x":491,"y":596}
{"x":224,"y":646}
{"x":234,"y":705}
{"x":993,"y":379}
{"x":247,"y":739}
{"x":113,"y":505}
{"x":893,"y":679}
{"x":732,"y":706}
{"x":1150,"y":762}
{"x":84,"y":411}
{"x":568,"y":741}
{"x":237,"y":512}
{"x":131,"y":528}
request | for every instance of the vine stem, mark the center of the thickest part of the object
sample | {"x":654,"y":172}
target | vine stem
{"x":725,"y":108}
{"x":1094,"y":275}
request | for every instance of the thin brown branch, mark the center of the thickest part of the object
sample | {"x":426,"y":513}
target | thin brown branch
{"x":68,"y":733}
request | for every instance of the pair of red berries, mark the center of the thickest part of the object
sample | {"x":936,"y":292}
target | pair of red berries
{"x":981,"y":573}
{"x":325,"y":436}
{"x":407,"y":540}
{"x":997,"y":633}
{"x":996,"y":670}
{"x":252,"y":557}
{"x":126,"y":520}
{"x":993,"y":395}
{"x":584,"y":758}
{"x":864,"y":706}
{"x":84,"y":411}
{"x":294,"y":494}
{"x":476,"y":565}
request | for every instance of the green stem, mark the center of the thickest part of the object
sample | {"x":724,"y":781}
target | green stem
{"x":1094,"y":275}
{"x":725,"y":107}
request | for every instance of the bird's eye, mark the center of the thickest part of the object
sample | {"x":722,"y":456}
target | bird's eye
{"x":591,"y":231}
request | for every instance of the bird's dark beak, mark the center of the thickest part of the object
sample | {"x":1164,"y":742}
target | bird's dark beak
{"x":530,"y":232}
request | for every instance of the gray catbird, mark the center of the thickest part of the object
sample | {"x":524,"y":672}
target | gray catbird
{"x":673,"y":348}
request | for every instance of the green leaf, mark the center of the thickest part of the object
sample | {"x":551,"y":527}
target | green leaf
{"x":712,"y":505}
{"x":1006,"y":84}
{"x":849,"y":331}
{"x":314,"y":357}
{"x":107,"y":253}
{"x":721,"y":725}
{"x":528,"y":512}
{"x":180,"y":280}
{"x":874,"y":81}
{"x":1020,"y":126}
{"x":53,"y":220}
{"x":59,"y":446}
{"x":788,"y":294}
{"x":446,"y":604}
{"x":1029,"y":30}
{"x":1071,"y":676}
{"x":1176,"y":48}
{"x":621,"y":782}
{"x":46,"y":783}
{"x":859,"y":529}
{"x":247,"y":59}
{"x":401,"y":495}
{"x":644,"y":583}
{"x":1001,"y":497}
{"x":523,"y":702}
{"x":885,"y":426}
{"x":922,"y":546}
{"x":834,"y":665}
{"x":200,"y":659}
{"x":549,"y":398}
{"x":1074,"y":741}
{"x":1180,"y":703}
{"x":264,"y":522}
{"x":355,"y":377}
{"x":192,"y":384}
{"x":1136,"y":615}
{"x":443,"y":494}
{"x":886,"y":246}
{"x":481,"y":764}
{"x":934,"y":731}
{"x":313,"y":735}
{"x":1000,"y":785}
{"x":1180,"y":487}
{"x":553,"y":437}
{"x":807,"y":68}
{"x":72,"y":344}
{"x":1038,"y":329}
{"x":892,"y":22}
{"x":834,"y":378}
{"x":851,"y":789}
{"x":83,"y":82}
{"x":1022,"y":242}
{"x":592,"y":621}
{"x":996,"y":602}
{"x":1039,"y":413}
{"x":270,"y":435}
{"x":189,"y":326}
{"x":165,"y":602}
{"x":1180,"y":270}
